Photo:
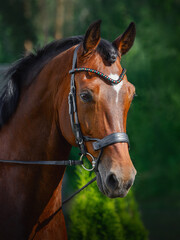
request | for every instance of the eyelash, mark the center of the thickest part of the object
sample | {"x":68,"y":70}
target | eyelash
{"x":86,"y":96}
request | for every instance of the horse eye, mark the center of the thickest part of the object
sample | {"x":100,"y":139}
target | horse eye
{"x":86,"y":96}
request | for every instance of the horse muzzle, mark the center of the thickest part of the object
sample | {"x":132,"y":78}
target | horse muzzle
{"x":114,"y":185}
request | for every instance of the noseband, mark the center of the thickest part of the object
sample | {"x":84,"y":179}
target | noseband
{"x":98,"y":144}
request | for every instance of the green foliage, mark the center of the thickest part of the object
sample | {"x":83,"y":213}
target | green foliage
{"x":93,"y":216}
{"x":16,"y":26}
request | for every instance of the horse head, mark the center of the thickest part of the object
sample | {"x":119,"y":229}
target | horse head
{"x":102,"y":106}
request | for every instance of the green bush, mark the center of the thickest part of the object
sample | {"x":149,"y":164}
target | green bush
{"x":93,"y":216}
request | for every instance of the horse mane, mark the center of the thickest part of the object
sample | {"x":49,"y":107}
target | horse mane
{"x":22,"y":73}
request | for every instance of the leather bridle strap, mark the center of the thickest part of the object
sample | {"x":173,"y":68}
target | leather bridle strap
{"x":118,"y":137}
{"x":73,"y":109}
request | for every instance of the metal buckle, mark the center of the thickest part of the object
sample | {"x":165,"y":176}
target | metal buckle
{"x":93,"y":162}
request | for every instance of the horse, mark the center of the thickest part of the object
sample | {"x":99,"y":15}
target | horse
{"x":35,"y":125}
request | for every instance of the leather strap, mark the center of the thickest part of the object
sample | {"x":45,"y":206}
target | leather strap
{"x":73,"y":109}
{"x":118,"y":137}
{"x":49,"y":163}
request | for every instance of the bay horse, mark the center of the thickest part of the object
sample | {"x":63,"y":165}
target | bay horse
{"x":35,"y":125}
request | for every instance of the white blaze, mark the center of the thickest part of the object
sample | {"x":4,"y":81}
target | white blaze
{"x":118,"y":86}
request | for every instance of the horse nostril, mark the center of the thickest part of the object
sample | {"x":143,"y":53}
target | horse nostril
{"x":112,"y":181}
{"x":128,"y":184}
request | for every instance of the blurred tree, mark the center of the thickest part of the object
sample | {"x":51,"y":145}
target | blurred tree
{"x":59,"y":19}
{"x":16,"y":27}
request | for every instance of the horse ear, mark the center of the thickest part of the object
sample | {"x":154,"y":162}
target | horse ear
{"x":92,"y":36}
{"x":125,"y":41}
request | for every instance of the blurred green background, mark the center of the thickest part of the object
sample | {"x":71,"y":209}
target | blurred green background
{"x":152,"y":66}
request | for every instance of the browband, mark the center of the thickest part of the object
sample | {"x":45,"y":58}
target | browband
{"x":100,"y":74}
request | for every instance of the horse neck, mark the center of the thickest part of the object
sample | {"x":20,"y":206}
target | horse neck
{"x":32,"y":134}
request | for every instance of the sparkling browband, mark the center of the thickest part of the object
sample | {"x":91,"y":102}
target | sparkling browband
{"x":100,"y":74}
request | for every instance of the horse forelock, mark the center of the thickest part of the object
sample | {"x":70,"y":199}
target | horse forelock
{"x":108,"y":52}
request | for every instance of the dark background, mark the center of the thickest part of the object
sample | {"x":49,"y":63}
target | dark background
{"x":152,"y":66}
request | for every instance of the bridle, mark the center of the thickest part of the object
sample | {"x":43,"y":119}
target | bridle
{"x":98,"y":144}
